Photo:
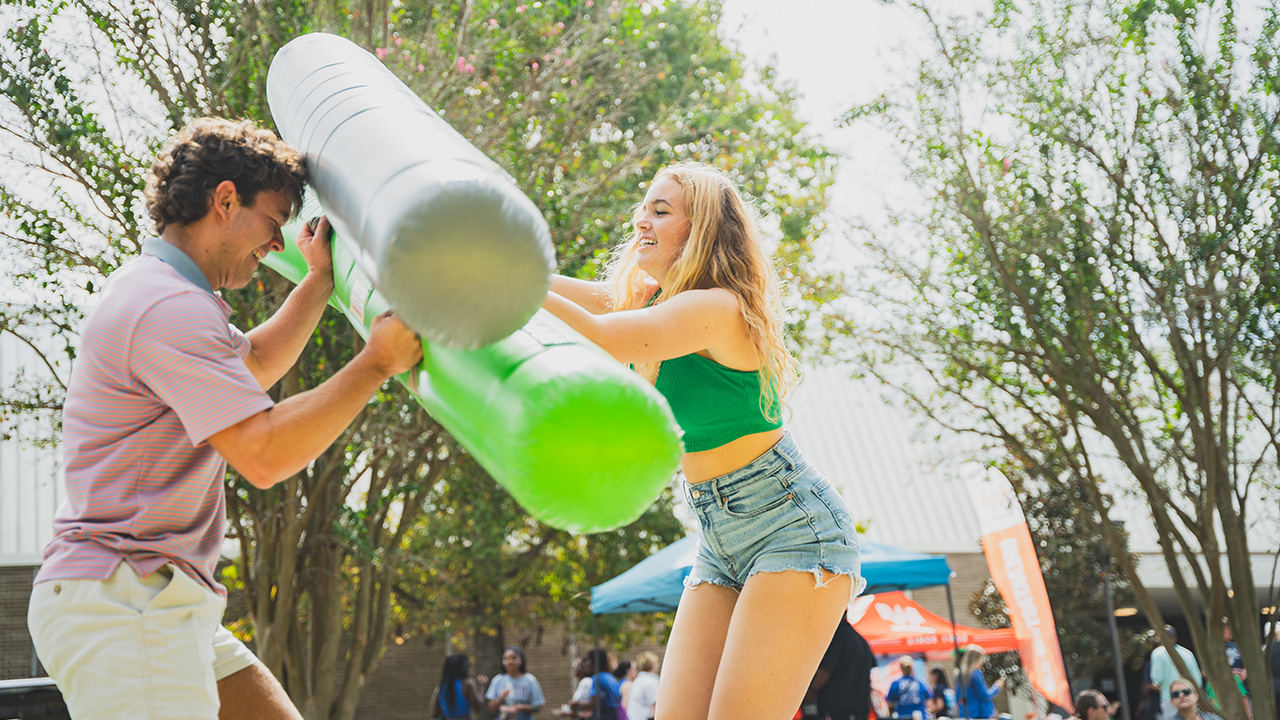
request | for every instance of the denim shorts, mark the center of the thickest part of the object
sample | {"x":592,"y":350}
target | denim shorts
{"x":776,"y":513}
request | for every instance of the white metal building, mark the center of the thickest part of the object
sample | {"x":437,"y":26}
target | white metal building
{"x":30,"y":472}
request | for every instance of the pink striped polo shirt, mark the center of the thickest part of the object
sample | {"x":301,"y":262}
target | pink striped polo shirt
{"x":159,"y":371}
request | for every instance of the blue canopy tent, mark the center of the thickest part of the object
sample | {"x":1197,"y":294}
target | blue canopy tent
{"x":655,"y":583}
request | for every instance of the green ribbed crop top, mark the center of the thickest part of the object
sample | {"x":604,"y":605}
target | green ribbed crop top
{"x":713,"y":404}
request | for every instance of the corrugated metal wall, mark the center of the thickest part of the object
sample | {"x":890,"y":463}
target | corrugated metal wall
{"x":30,"y":471}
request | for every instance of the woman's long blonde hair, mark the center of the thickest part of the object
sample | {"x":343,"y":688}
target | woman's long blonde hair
{"x":974,"y":656}
{"x":723,"y":251}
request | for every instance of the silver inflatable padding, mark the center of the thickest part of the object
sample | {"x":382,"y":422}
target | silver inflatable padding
{"x":462,"y":255}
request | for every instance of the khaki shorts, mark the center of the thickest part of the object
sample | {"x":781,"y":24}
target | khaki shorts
{"x":130,"y":647}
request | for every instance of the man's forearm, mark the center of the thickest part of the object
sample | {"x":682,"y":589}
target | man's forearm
{"x":277,"y":343}
{"x":284,"y":439}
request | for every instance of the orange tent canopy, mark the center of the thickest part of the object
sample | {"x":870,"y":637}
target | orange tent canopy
{"x":894,"y":624}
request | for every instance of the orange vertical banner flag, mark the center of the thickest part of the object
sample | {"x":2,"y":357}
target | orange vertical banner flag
{"x":1015,"y":569}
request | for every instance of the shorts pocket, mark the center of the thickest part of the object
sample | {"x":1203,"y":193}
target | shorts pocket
{"x":757,"y":500}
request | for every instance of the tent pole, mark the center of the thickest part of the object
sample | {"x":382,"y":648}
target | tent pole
{"x":955,"y":643}
{"x":595,"y":679}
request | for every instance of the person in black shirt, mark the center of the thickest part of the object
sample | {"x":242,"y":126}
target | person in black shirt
{"x":842,"y":686}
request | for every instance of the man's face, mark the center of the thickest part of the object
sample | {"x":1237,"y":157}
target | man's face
{"x":253,"y":231}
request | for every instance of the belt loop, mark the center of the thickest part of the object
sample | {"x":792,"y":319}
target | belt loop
{"x":784,"y":450}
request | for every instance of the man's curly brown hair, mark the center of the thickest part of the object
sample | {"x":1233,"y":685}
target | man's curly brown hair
{"x":209,"y":150}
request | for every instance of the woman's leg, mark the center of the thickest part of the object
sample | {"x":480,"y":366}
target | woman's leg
{"x":781,"y":627}
{"x":693,"y":652}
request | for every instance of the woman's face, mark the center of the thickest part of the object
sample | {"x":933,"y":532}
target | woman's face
{"x":662,"y":228}
{"x":1182,"y":696}
{"x":1101,"y":712}
{"x":511,"y":662}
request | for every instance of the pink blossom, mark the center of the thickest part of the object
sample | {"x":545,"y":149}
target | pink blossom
{"x":560,"y":25}
{"x":460,"y":64}
{"x":568,"y":62}
{"x":484,"y":84}
{"x":591,"y":3}
{"x":573,"y":81}
{"x":535,"y":64}
{"x":493,"y":22}
{"x":522,"y":8}
{"x":421,"y":67}
{"x":469,"y":68}
{"x":559,"y":51}
{"x":381,"y":53}
{"x":399,"y":40}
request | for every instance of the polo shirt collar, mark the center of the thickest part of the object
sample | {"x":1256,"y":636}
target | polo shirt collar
{"x":178,"y":260}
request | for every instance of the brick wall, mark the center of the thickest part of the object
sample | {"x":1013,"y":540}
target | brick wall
{"x":971,"y":575}
{"x":401,"y":686}
{"x":15,"y":641}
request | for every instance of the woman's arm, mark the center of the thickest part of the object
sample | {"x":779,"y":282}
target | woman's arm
{"x":688,"y":322}
{"x":590,"y":296}
{"x":469,"y":692}
{"x":436,"y":710}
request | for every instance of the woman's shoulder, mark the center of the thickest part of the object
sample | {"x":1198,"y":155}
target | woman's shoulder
{"x":644,"y":293}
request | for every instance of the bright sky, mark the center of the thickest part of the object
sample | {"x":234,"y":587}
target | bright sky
{"x":839,"y":53}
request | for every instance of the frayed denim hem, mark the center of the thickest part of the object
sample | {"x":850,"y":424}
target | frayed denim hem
{"x":859,"y":582}
{"x":691,"y":583}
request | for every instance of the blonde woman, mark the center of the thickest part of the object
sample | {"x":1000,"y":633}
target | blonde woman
{"x":691,"y":301}
{"x":975,"y":696}
{"x":1183,"y":696}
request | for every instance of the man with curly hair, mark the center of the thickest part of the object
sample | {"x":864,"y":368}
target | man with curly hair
{"x":126,"y":613}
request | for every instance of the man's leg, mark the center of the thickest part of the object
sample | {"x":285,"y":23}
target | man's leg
{"x":129,"y":647}
{"x":245,"y":687}
{"x":254,"y":693}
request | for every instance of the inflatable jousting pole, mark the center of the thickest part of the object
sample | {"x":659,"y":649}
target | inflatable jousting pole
{"x":427,"y":225}
{"x":581,"y":442}
{"x":443,"y":233}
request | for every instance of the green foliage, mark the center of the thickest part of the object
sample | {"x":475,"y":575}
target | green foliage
{"x":1097,"y":298}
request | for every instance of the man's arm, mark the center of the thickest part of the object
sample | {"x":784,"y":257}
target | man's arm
{"x":278,"y":442}
{"x":276,"y":344}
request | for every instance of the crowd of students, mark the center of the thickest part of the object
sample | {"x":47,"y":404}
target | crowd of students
{"x":606,"y":690}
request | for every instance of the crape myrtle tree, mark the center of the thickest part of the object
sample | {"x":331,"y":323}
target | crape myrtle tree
{"x":580,"y":101}
{"x":1093,"y":280}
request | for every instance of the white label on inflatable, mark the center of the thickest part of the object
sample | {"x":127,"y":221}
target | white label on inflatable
{"x":360,"y":291}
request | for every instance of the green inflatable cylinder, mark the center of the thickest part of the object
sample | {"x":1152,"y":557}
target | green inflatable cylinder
{"x":581,"y":442}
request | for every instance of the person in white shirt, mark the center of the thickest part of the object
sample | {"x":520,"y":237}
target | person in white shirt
{"x":644,"y":689}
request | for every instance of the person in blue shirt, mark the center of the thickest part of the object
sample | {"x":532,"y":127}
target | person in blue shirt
{"x":908,"y":693}
{"x":975,"y":699}
{"x":943,"y":703}
{"x":601,"y":701}
{"x":457,"y":696}
{"x":515,"y":694}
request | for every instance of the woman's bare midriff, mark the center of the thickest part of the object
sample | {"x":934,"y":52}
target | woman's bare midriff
{"x":702,"y":466}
